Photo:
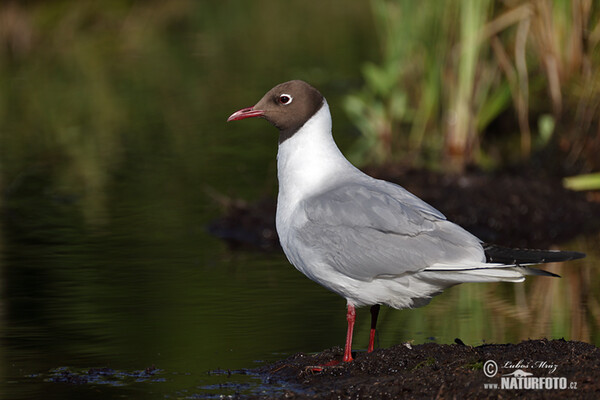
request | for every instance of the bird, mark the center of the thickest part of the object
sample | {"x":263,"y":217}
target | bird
{"x":368,"y":240}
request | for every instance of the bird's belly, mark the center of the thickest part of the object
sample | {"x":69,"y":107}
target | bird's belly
{"x":403,"y":291}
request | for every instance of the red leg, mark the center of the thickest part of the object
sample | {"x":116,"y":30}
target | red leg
{"x":351,"y":317}
{"x":374,"y":314}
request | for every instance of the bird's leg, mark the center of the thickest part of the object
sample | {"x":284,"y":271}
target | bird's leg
{"x":374,"y":314}
{"x":351,"y":317}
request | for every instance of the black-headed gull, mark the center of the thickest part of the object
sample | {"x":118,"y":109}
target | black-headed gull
{"x":370,"y":241}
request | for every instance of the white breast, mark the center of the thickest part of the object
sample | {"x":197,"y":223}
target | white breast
{"x":308,"y":162}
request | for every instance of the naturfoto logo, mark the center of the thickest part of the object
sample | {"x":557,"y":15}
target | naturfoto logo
{"x":519,"y":378}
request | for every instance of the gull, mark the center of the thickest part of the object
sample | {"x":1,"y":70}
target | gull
{"x":368,"y":240}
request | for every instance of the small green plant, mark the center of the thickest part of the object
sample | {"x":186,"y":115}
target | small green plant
{"x":475,"y":366}
{"x":583,"y":182}
{"x":425,"y":363}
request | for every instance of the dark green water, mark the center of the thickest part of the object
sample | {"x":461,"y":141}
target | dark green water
{"x":113,"y":146}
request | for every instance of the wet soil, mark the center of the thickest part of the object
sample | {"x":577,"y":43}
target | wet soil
{"x":525,"y":209}
{"x":438,"y":371}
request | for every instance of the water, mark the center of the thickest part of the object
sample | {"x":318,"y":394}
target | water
{"x":115,"y":149}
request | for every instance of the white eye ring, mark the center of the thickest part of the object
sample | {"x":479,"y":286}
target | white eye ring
{"x":285,"y":99}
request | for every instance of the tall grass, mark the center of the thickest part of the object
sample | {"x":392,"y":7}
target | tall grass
{"x":451,"y":76}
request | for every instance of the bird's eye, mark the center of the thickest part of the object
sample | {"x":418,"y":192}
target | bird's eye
{"x":285,"y":99}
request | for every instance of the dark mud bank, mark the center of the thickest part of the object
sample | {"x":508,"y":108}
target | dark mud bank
{"x":427,"y":371}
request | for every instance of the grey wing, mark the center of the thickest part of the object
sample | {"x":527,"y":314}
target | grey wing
{"x":380,"y":229}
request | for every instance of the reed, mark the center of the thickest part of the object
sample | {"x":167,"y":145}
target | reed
{"x":449,"y":74}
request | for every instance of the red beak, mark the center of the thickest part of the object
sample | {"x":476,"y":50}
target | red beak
{"x":247,"y":112}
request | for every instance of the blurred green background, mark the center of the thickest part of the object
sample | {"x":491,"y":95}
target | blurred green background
{"x":114,"y":150}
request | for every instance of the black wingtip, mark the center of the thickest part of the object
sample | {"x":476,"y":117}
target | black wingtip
{"x":577,"y":255}
{"x":506,"y":255}
{"x":548,"y":273}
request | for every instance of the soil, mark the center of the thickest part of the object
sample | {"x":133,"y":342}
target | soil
{"x":440,"y":371}
{"x":525,"y":209}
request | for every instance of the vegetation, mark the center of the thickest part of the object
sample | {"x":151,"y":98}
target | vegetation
{"x":455,"y":78}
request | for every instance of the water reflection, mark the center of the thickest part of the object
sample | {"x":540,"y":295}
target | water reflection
{"x":3,"y":321}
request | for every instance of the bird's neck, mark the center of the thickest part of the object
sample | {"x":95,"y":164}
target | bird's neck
{"x":309,"y":161}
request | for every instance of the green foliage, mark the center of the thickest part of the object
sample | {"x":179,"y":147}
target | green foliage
{"x":390,"y":102}
{"x":583,"y":182}
{"x":448,"y":73}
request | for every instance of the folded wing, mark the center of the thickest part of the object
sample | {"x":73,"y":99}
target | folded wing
{"x":379,"y":229}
